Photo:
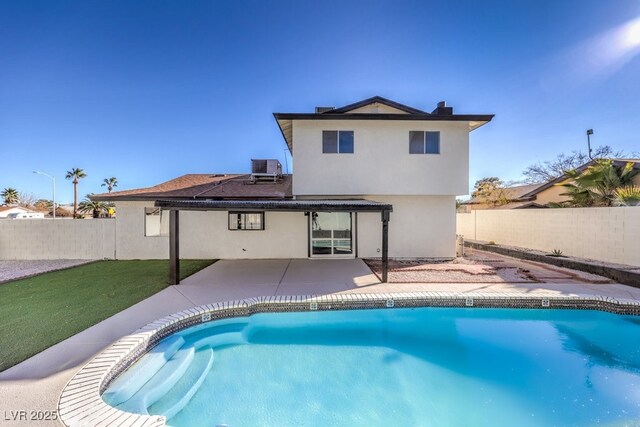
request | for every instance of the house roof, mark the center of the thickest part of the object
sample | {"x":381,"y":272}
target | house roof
{"x":206,"y":186}
{"x":375,"y":100}
{"x":521,"y":205}
{"x":6,"y":208}
{"x":512,"y":193}
{"x":544,"y":186}
{"x":441,"y":113}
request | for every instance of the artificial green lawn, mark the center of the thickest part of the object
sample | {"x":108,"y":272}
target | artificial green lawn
{"x":40,"y":311}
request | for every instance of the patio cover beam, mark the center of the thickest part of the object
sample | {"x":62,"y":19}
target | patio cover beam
{"x":306,"y":205}
{"x":174,"y":247}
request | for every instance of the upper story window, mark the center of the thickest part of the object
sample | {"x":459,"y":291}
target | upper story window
{"x":246,"y":220}
{"x":421,"y":142}
{"x":337,"y":141}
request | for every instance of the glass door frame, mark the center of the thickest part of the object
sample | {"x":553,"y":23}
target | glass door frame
{"x":353,"y":229}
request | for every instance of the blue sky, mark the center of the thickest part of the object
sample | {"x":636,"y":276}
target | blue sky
{"x":149,"y":90}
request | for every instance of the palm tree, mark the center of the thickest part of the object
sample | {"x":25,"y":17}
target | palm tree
{"x":628,"y":196}
{"x":110,"y":183}
{"x":75,"y":174}
{"x":11,"y":196}
{"x":88,"y":205}
{"x":599,"y":184}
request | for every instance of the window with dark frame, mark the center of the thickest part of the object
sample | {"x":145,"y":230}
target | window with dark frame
{"x":424,"y":142}
{"x":337,"y":141}
{"x":246,"y":221}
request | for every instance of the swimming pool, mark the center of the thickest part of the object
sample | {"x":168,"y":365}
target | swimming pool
{"x":397,"y":366}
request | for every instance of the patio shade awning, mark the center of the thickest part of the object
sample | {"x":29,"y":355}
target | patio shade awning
{"x":316,"y":205}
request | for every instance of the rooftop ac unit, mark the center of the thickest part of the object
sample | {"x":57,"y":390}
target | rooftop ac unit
{"x":265,"y":168}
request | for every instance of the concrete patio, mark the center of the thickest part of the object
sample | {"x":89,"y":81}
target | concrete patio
{"x":36,"y":383}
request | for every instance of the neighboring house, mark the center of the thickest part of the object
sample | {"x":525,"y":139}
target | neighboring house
{"x":6,"y":211}
{"x":26,"y":215}
{"x":353,"y":166}
{"x":551,"y":192}
{"x":513,"y":196}
{"x":532,"y":196}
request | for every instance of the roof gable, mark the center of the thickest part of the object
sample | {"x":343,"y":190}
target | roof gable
{"x":374,"y":107}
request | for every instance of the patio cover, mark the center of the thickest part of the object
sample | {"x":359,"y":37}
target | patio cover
{"x":320,"y":205}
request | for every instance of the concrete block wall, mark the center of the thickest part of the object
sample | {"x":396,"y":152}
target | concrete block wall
{"x":603,"y":234}
{"x":23,"y":239}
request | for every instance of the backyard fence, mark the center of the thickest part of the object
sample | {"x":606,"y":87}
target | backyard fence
{"x":22,"y":239}
{"x":603,"y":234}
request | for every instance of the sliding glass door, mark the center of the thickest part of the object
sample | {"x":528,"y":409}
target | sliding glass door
{"x":331,"y":234}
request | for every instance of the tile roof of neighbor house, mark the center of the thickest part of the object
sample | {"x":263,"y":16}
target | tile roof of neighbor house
{"x":441,"y":113}
{"x":206,"y":186}
{"x":512,"y":193}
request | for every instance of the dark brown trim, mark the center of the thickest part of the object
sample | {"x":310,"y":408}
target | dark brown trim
{"x":385,"y":245}
{"x":322,"y":205}
{"x":354,"y":232}
{"x":357,"y":116}
{"x":174,"y":247}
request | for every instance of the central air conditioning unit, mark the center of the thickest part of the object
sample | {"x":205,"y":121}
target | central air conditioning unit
{"x":270,"y":169}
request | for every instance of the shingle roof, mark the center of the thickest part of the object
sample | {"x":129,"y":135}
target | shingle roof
{"x":206,"y":186}
{"x":512,"y":193}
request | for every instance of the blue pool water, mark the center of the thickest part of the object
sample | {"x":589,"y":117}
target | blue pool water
{"x":424,"y":366}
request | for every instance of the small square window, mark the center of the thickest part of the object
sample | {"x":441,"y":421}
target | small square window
{"x":246,"y":220}
{"x":329,"y":141}
{"x":416,"y":142}
{"x":346,"y":141}
{"x":334,"y":141}
{"x":432,"y":142}
{"x":421,"y":142}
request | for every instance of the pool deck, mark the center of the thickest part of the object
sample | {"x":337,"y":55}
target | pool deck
{"x":36,"y":383}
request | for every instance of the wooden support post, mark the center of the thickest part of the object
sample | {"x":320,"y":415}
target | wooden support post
{"x":174,"y":247}
{"x":385,"y":245}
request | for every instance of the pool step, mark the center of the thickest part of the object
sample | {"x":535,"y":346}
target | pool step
{"x":160,"y":383}
{"x":221,"y":340}
{"x":133,"y":379}
{"x":182,"y":392}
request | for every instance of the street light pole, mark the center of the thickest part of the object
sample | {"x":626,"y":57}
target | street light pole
{"x":589,"y":133}
{"x":54,"y":190}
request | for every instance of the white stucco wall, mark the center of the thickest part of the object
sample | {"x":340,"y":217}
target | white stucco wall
{"x":604,"y":234}
{"x":206,"y":235}
{"x":57,"y":239}
{"x":381,"y":163}
{"x":419,"y":227}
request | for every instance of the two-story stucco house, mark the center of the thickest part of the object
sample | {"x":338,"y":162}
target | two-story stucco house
{"x":371,"y":179}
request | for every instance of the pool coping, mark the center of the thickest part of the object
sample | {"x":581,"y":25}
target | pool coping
{"x":80,"y":403}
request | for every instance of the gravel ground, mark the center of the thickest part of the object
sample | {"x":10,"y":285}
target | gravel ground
{"x":12,"y":270}
{"x":481,"y":267}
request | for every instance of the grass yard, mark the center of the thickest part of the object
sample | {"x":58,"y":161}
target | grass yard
{"x":40,"y":311}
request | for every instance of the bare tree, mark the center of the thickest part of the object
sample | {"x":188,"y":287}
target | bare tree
{"x":27,"y":200}
{"x":551,"y":169}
